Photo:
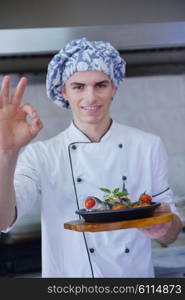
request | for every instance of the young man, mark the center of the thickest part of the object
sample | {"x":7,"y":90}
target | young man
{"x":93,"y":152}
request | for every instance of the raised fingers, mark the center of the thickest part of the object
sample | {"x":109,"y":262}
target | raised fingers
{"x":4,"y":94}
{"x":19,"y":91}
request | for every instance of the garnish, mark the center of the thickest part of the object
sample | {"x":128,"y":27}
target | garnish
{"x":116,"y":197}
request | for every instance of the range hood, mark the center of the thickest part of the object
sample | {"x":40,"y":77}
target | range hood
{"x":24,"y":50}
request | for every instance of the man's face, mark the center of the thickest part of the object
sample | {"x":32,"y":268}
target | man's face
{"x":89,"y":94}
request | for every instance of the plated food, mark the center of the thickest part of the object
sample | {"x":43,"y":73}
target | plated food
{"x":116,"y":206}
{"x":115,"y":200}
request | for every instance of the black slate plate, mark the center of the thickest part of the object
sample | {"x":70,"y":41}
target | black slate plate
{"x":118,"y":215}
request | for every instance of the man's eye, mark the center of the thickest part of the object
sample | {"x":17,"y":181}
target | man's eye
{"x":101,"y":85}
{"x":78,"y":87}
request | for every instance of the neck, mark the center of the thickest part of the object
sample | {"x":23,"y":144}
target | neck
{"x":94,"y":131}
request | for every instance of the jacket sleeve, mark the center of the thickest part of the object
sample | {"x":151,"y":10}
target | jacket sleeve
{"x":161,"y":190}
{"x":27,"y":183}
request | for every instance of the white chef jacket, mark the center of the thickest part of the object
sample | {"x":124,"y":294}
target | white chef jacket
{"x":63,"y":171}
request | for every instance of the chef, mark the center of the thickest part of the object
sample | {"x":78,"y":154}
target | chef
{"x":94,"y":152}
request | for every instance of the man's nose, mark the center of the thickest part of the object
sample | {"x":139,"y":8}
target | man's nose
{"x":90,"y":95}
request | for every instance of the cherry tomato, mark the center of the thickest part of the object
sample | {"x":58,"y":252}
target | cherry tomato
{"x":89,"y":202}
{"x":145,"y":198}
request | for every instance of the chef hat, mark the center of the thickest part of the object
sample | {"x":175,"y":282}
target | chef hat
{"x":82,"y":55}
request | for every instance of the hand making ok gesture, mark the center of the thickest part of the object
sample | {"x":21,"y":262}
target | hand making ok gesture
{"x":15,"y":130}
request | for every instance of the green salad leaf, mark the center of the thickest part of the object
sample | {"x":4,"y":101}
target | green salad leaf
{"x":105,"y":190}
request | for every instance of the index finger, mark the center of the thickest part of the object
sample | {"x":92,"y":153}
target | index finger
{"x":4,"y":93}
{"x":19,"y":92}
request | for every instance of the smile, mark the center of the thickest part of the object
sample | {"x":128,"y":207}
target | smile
{"x":91,"y":107}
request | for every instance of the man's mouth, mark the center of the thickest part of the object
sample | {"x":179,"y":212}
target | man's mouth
{"x":91,"y":108}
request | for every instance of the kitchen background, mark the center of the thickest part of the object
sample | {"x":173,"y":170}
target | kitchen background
{"x":152,"y":97}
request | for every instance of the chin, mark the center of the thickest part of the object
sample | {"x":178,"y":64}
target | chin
{"x":92,"y":120}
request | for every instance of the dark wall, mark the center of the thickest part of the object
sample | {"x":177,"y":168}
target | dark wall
{"x":61,"y":13}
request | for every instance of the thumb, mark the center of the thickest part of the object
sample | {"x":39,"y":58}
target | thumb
{"x":164,"y":207}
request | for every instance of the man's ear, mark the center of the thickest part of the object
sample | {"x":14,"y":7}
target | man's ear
{"x":114,"y":89}
{"x":63,"y":92}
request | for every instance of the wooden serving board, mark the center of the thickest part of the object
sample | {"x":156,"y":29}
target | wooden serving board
{"x":82,"y":226}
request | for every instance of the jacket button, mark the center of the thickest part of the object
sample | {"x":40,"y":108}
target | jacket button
{"x":73,"y":147}
{"x":79,"y":179}
{"x":127,"y":250}
{"x":91,"y":250}
{"x":120,"y":146}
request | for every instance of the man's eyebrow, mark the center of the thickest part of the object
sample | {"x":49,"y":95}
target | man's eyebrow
{"x":81,"y":83}
{"x":77,"y":83}
{"x":102,"y":82}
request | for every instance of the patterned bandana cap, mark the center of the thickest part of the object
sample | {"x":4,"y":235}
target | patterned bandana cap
{"x":82,"y":55}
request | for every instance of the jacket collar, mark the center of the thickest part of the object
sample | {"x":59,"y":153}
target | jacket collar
{"x":76,"y":135}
